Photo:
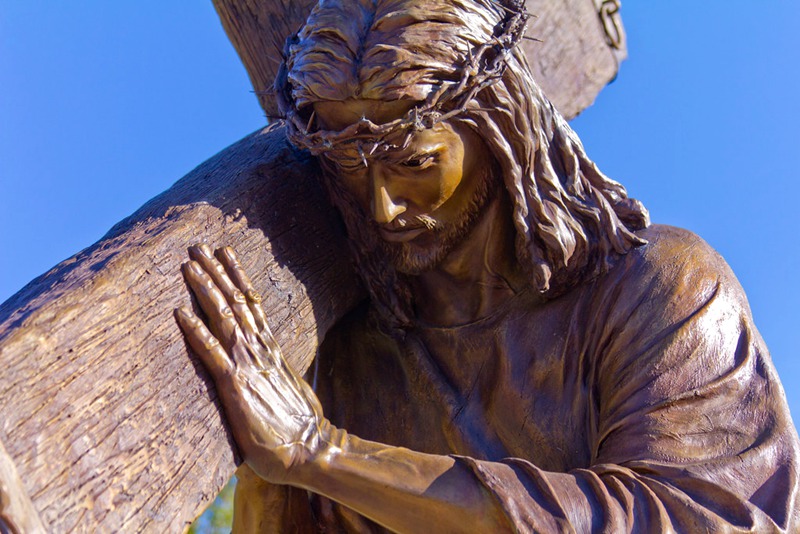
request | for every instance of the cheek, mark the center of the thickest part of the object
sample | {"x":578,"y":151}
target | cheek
{"x":448,"y":184}
{"x":356,"y":188}
{"x":426,"y":193}
{"x":451,"y":173}
{"x":451,"y":179}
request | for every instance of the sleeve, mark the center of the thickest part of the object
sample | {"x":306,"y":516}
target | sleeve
{"x":693,"y":431}
{"x":259,"y":506}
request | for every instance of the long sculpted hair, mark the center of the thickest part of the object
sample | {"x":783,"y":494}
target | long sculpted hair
{"x":571,"y":220}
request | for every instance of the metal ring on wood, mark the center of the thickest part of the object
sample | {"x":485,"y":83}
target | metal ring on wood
{"x":609,"y":17}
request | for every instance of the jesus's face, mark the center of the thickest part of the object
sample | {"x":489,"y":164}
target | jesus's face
{"x":424,"y":198}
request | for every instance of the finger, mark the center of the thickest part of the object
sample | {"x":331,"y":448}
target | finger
{"x":236,"y":299}
{"x":235,"y":273}
{"x":213,"y":302}
{"x":230,"y":262}
{"x":204,"y":344}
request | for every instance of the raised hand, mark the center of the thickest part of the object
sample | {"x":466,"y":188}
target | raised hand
{"x":274,"y":415}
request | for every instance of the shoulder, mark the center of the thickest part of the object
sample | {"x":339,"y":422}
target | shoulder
{"x":675,"y":285}
{"x":676,"y":264}
{"x":672,"y":251}
{"x":671,"y":317}
{"x":664,"y":239}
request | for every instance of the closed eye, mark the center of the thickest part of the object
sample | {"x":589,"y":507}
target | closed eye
{"x":351,"y":167}
{"x":348,"y":165}
{"x":422,"y":161}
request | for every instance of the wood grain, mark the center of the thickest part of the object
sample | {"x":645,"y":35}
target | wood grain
{"x":572,"y":63}
{"x":110,"y":423}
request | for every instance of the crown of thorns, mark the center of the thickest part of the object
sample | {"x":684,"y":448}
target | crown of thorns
{"x":483,"y":66}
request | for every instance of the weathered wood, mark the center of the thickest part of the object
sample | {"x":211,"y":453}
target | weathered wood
{"x":574,"y":60}
{"x":110,"y":425}
{"x":572,"y":63}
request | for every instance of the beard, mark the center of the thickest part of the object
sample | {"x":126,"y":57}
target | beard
{"x":413,"y":259}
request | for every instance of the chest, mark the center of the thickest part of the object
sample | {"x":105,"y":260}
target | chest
{"x":490,"y":394}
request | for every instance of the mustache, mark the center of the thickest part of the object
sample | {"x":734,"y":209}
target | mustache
{"x":418,"y":221}
{"x":427,"y":221}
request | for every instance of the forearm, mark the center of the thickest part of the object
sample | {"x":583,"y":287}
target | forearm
{"x":407,"y":491}
{"x":280,"y":430}
{"x":403,"y":490}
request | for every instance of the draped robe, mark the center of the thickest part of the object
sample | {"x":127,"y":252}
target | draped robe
{"x":643,"y":400}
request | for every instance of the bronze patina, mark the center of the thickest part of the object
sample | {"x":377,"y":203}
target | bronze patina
{"x":534,"y":355}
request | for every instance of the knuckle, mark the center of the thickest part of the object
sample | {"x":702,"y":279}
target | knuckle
{"x":210,"y":343}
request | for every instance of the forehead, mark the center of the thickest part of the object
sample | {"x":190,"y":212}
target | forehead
{"x":338,"y":115}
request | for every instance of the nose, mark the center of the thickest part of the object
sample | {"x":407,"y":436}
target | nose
{"x":385,"y":207}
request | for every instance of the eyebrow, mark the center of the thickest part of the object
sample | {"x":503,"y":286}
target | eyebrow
{"x":425,"y":150}
{"x":352,"y":160}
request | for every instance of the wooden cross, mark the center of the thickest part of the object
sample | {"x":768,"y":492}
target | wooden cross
{"x":108,"y":424}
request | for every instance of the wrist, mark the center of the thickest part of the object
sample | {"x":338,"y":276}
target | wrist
{"x":328,"y":443}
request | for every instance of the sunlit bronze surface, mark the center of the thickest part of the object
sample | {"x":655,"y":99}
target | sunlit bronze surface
{"x":534,"y":355}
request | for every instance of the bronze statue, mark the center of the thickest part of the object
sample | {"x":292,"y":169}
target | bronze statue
{"x":534,"y":356}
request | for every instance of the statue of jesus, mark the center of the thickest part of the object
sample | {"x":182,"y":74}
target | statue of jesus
{"x":534,"y":355}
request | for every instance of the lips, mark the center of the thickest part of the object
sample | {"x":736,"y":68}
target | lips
{"x":401,"y":235}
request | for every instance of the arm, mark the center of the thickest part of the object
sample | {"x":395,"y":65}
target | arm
{"x":690,"y":437}
{"x":282,"y":435}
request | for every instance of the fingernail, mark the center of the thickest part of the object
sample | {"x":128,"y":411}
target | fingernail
{"x":184,"y":315}
{"x":200,"y":249}
{"x":194,"y":267}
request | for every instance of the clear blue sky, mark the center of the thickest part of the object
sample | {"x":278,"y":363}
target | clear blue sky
{"x":105,"y":104}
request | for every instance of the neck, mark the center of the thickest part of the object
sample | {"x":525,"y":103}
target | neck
{"x":477,"y":277}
